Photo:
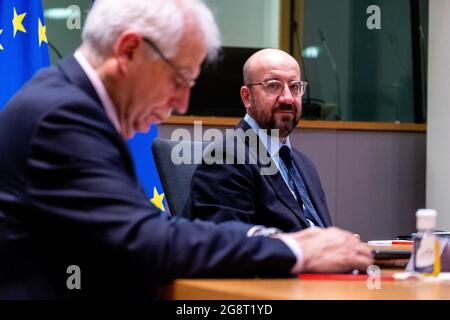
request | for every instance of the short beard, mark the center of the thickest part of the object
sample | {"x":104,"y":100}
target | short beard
{"x":286,"y":124}
{"x":285,"y":127}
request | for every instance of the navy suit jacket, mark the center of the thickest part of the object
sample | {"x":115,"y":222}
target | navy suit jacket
{"x":69,"y":196}
{"x":222,"y":192}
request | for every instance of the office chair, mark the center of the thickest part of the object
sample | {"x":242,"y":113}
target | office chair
{"x":175,"y":178}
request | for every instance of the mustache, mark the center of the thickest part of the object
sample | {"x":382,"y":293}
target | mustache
{"x":285,"y":107}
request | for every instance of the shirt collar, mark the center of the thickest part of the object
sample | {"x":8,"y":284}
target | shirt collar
{"x":272,"y":144}
{"x":99,"y":88}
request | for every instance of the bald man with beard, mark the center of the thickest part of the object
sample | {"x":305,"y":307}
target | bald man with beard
{"x":289,"y":198}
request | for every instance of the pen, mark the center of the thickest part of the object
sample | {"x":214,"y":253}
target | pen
{"x":407,"y":242}
{"x":390,"y":242}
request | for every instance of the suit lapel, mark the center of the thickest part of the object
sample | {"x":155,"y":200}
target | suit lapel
{"x":313,"y":194}
{"x":276,"y":181}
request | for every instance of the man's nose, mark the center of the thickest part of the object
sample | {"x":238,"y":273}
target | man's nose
{"x":180,"y":101}
{"x":286,"y":95}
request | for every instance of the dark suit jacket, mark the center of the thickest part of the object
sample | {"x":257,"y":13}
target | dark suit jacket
{"x":69,"y":196}
{"x":222,"y":192}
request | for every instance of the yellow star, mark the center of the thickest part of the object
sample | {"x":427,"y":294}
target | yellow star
{"x":1,"y":48}
{"x":17,"y":22}
{"x":42,"y":33}
{"x":157,"y":199}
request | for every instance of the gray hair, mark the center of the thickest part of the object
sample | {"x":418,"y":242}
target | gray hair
{"x":162,"y":21}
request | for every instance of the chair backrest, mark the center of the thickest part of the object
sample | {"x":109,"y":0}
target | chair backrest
{"x":175,"y":178}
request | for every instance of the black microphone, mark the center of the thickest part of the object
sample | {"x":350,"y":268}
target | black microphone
{"x":295,"y":33}
{"x":311,"y":108}
{"x":423,"y":48}
{"x":393,"y":41}
{"x":56,"y":51}
{"x":335,"y":70}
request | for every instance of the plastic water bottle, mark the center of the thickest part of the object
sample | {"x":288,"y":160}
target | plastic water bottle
{"x":427,"y":258}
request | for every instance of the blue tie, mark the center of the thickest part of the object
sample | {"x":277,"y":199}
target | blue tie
{"x":298,"y":186}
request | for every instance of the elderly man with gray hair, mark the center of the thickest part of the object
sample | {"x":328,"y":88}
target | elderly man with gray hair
{"x":69,"y":197}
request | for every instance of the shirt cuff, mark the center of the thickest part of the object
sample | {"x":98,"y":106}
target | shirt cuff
{"x":296,"y":250}
{"x":288,"y":241}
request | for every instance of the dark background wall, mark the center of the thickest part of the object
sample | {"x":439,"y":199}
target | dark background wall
{"x":374,"y":181}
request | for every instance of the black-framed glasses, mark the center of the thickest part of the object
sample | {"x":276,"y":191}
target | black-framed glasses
{"x":275,"y":87}
{"x":183,"y":80}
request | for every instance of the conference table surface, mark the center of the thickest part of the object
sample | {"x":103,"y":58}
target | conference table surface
{"x":312,"y":287}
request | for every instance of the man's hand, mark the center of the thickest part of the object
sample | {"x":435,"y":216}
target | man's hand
{"x":332,"y":250}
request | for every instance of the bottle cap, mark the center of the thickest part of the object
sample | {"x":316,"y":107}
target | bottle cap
{"x":426,"y":219}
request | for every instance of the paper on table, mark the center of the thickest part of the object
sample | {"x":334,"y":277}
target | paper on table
{"x":443,"y":276}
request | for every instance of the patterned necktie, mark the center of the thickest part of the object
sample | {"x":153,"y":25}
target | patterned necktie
{"x":298,"y":186}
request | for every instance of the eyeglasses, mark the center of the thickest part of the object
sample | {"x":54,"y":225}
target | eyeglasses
{"x":275,"y":87}
{"x":183,"y":81}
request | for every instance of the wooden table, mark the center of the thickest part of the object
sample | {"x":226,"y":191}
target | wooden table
{"x":300,"y":289}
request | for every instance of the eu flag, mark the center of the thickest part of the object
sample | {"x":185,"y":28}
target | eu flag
{"x":140,"y":147}
{"x":23,"y":44}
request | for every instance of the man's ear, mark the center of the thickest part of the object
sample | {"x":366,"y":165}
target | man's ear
{"x":246,"y":96}
{"x":125,"y":49}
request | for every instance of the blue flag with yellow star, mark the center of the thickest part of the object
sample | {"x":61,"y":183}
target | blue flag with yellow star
{"x":23,"y":44}
{"x":141,"y":150}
